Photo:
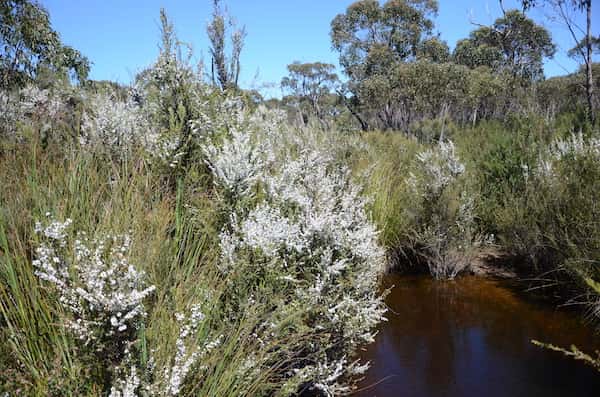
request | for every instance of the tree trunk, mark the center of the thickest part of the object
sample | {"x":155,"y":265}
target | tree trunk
{"x":363,"y":124}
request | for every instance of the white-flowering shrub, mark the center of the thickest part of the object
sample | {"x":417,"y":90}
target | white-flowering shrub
{"x":116,"y":126}
{"x":310,"y":228}
{"x":576,"y":144}
{"x":325,"y":377}
{"x":126,"y":380}
{"x":164,"y":149}
{"x":236,"y":164}
{"x":445,"y":238}
{"x":171,"y":67}
{"x":103,"y":292}
{"x":171,"y":93}
{"x":238,"y":147}
{"x":440,"y":167}
{"x":43,"y":102}
{"x":221,"y":115}
{"x":573,"y":147}
{"x":267,"y":229}
{"x":28,"y":105}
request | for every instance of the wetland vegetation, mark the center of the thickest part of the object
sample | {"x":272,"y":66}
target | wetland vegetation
{"x":182,"y":235}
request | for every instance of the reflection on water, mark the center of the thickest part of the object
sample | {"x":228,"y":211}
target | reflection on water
{"x":471,"y":337}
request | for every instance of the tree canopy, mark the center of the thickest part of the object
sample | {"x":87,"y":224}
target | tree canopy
{"x":514,"y":44}
{"x":28,"y":44}
{"x":312,"y":85}
{"x":370,"y":37}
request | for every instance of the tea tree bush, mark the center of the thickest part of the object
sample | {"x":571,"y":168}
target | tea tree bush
{"x":276,"y":262}
{"x":446,"y":232}
{"x":306,"y":229}
{"x":118,"y":127}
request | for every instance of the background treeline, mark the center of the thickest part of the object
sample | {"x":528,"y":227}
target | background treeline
{"x":398,"y":72}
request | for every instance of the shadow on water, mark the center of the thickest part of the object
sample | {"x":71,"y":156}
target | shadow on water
{"x":471,"y":337}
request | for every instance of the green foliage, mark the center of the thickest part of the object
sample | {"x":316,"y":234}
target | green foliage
{"x":514,"y":43}
{"x":388,"y":161}
{"x":434,"y":50}
{"x":399,"y":73}
{"x":416,"y":91}
{"x":311,"y":85}
{"x":370,"y":36}
{"x":372,"y":39}
{"x":577,"y":51}
{"x":499,"y":157}
{"x":30,"y":47}
{"x":226,"y":68}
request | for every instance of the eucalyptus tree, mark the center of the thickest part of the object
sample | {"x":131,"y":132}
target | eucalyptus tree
{"x":584,"y":46}
{"x":311,"y":85}
{"x":513,"y":43}
{"x":28,"y":44}
{"x":577,"y":51}
{"x":370,"y":36}
{"x":371,"y":39}
{"x":434,"y":50}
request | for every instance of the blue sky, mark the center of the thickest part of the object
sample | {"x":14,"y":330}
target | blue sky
{"x":121,"y":36}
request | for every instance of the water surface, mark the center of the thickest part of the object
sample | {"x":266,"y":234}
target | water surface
{"x":471,"y":337}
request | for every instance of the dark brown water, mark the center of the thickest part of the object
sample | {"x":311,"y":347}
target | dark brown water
{"x":471,"y":337}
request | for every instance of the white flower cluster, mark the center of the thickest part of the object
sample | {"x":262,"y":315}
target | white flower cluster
{"x":576,"y":145}
{"x":325,"y":376}
{"x":126,"y":382}
{"x":103,"y":292}
{"x":170,"y":67}
{"x":183,"y":360}
{"x":441,"y":166}
{"x":268,"y":121}
{"x":116,"y":125}
{"x":35,"y":100}
{"x":267,"y":229}
{"x":246,"y":151}
{"x":216,"y":116}
{"x":311,"y":228}
{"x":236,"y":163}
{"x":446,"y":238}
{"x":164,"y":149}
{"x":26,"y":105}
{"x":188,"y":353}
